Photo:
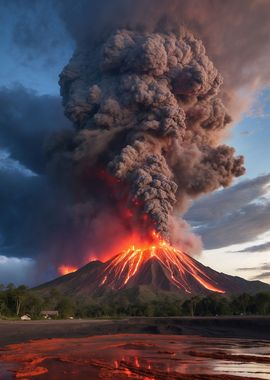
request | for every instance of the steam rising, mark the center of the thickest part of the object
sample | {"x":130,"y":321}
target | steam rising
{"x":148,"y":120}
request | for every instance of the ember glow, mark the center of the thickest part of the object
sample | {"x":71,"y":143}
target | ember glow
{"x":181,"y":268}
{"x":66,"y":269}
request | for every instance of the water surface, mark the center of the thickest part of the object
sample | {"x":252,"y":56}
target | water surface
{"x":135,"y":356}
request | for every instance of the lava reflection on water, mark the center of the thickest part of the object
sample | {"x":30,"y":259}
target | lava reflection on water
{"x":146,"y":357}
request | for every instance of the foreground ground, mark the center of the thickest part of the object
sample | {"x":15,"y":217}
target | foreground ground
{"x":220,"y":327}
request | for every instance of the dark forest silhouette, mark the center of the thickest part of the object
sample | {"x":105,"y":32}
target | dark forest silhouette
{"x":16,"y":301}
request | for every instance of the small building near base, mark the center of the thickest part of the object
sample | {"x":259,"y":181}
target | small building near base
{"x":48,"y":314}
{"x":26,"y":317}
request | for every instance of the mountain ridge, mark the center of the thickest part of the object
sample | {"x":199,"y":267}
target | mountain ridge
{"x":192,"y":278}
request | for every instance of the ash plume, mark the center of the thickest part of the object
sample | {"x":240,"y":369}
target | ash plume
{"x":148,"y":119}
{"x":234,"y":32}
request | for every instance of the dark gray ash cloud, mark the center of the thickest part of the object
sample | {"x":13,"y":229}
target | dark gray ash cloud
{"x":241,"y":51}
{"x":146,"y":108}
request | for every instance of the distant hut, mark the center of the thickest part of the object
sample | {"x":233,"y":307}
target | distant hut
{"x":48,"y":314}
{"x":26,"y":317}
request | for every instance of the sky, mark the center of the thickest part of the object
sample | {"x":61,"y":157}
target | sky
{"x":37,"y":41}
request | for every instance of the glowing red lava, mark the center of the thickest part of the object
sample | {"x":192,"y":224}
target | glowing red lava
{"x":180,"y":267}
{"x":151,"y":261}
{"x":66,"y":269}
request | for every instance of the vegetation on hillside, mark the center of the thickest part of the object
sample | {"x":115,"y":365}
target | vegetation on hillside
{"x":16,"y":301}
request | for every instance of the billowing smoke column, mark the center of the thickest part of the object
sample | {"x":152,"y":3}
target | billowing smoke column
{"x":148,"y":120}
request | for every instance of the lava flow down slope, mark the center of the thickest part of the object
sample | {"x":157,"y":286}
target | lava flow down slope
{"x":159,"y":266}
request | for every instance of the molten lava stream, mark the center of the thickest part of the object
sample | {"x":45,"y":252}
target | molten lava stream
{"x":178,"y":265}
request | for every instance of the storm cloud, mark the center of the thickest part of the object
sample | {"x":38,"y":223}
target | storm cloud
{"x":258,"y":248}
{"x":15,"y":270}
{"x":234,"y":215}
{"x":263,"y":271}
{"x":27,"y":120}
{"x":262,"y":276}
{"x":28,"y":199}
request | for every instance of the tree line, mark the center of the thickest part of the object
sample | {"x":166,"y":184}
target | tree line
{"x":17,"y":301}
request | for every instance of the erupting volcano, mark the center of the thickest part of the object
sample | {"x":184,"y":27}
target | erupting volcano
{"x":149,"y":117}
{"x":153,"y":264}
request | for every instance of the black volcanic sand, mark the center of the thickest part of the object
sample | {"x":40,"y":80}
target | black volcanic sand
{"x":222,"y":327}
{"x":137,"y":356}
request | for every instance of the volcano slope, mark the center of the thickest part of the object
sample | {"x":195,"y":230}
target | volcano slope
{"x":159,"y":269}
